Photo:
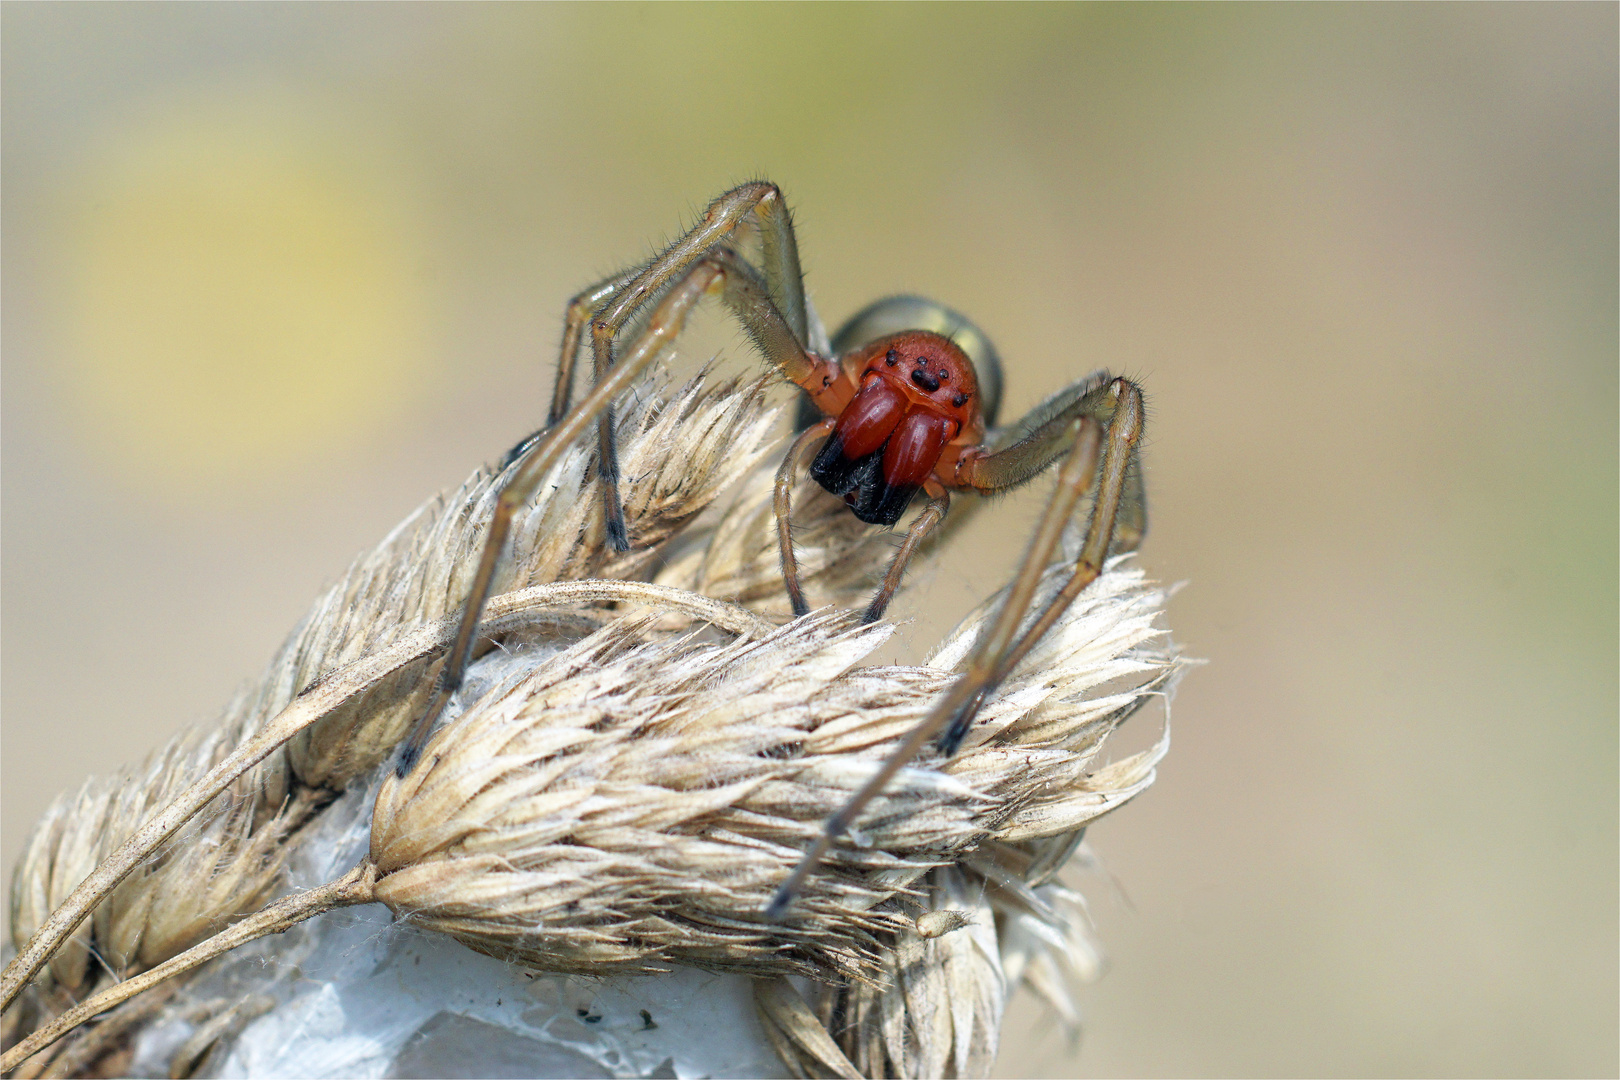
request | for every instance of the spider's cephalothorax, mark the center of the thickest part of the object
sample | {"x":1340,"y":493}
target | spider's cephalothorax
{"x":918,"y":394}
{"x":905,"y":402}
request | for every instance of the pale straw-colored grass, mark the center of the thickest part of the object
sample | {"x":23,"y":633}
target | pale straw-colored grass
{"x":635,"y":768}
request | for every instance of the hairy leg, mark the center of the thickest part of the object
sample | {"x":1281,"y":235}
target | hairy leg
{"x":939,"y":503}
{"x":782,"y":500}
{"x":784,"y":288}
{"x":578,"y":313}
{"x":1119,"y":465}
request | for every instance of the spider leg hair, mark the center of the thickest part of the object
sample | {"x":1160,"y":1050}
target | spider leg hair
{"x":939,"y":504}
{"x":784,"y":287}
{"x":580,"y":310}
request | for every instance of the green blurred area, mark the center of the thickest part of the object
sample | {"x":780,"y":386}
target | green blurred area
{"x":1363,"y":259}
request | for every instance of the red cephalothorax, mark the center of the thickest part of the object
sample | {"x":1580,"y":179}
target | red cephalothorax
{"x":916,"y":393}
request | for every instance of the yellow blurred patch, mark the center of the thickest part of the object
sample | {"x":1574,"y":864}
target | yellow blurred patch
{"x":243,"y":291}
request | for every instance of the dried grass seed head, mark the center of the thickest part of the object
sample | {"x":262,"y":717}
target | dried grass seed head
{"x":682,"y":449}
{"x":633,"y":801}
{"x":682,"y":772}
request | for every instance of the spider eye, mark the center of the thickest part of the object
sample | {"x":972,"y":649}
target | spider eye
{"x":959,"y":400}
{"x":922,"y":378}
{"x":892,"y":358}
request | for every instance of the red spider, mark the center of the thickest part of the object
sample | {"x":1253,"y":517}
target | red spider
{"x":904,"y":408}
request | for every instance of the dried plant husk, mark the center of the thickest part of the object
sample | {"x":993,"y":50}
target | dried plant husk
{"x":628,"y":789}
{"x":938,"y":1010}
{"x":631,"y":803}
{"x":681,"y":450}
{"x":223,"y":864}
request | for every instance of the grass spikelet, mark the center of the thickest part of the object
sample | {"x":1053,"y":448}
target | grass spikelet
{"x":938,"y":1010}
{"x":679,"y":453}
{"x":631,"y":804}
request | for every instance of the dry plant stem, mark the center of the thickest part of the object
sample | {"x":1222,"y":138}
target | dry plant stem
{"x":36,"y":1066}
{"x":318,"y":701}
{"x":355,"y":887}
{"x":78,"y":1055}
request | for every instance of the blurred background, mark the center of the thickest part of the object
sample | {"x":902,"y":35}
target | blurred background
{"x":274,"y":274}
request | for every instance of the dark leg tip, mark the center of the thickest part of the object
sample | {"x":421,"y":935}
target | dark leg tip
{"x":617,"y":538}
{"x":950,"y":742}
{"x":777,"y":910}
{"x":407,"y":761}
{"x":520,"y":449}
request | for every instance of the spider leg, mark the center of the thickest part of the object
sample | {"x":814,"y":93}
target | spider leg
{"x":579,"y":312}
{"x":1078,"y":422}
{"x":939,"y":503}
{"x":782,"y":500}
{"x":743,"y":291}
{"x":809,"y":440}
{"x":661,"y":329}
{"x":1119,"y":502}
{"x":747,"y":293}
{"x":982,"y":662}
{"x":784,"y":287}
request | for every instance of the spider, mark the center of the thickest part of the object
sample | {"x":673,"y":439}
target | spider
{"x":906,"y":394}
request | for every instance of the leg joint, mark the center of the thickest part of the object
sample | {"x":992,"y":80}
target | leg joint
{"x":1127,"y":421}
